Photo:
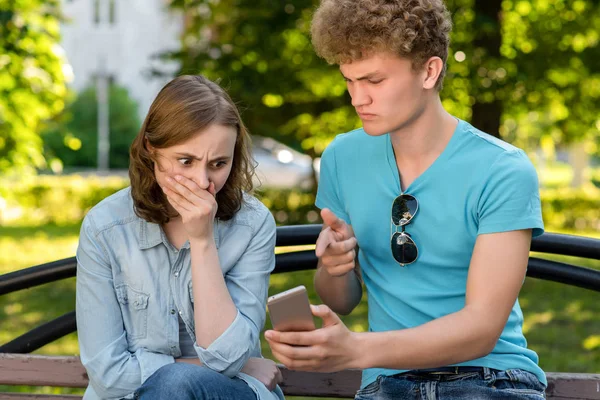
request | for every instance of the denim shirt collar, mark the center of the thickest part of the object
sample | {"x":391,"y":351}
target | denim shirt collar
{"x":149,"y":234}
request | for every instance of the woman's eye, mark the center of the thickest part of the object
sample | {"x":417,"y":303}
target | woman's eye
{"x":185,"y":161}
{"x":219,"y":164}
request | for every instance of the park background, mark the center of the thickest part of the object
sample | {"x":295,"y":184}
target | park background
{"x":527,"y":71}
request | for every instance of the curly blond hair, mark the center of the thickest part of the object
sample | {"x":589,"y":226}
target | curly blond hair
{"x":185,"y":106}
{"x":347,"y":30}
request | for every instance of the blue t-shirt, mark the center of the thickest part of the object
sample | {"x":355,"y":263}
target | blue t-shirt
{"x":479,"y":184}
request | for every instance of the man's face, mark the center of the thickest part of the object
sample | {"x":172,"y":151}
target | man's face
{"x":386,"y":92}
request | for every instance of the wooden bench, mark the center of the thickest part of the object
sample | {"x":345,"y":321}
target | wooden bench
{"x":26,"y":369}
{"x":61,"y":371}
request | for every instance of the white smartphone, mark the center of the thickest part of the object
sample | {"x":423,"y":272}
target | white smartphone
{"x":290,"y":311}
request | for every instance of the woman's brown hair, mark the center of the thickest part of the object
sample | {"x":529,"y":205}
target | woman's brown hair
{"x":347,"y":30}
{"x":183,"y":108}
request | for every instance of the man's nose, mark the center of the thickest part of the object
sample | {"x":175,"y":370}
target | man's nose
{"x":359,"y":96}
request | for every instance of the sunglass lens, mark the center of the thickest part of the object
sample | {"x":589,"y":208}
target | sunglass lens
{"x":404,"y":248}
{"x":404,"y":209}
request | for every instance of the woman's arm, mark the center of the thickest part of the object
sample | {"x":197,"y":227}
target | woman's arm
{"x":247,"y":287}
{"x":229,"y":310}
{"x":114,"y":371}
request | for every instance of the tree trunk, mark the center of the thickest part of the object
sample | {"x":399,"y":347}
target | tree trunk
{"x":486,"y":116}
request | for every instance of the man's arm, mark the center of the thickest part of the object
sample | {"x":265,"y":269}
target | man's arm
{"x":496,"y":273}
{"x":337,"y":280}
{"x":341,"y":293}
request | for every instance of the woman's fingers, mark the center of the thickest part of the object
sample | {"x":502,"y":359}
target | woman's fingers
{"x":191,"y":189}
{"x":177,"y":201}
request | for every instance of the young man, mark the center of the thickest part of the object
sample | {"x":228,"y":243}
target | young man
{"x":435,"y":216}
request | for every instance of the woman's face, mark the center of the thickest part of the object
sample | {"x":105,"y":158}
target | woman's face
{"x":205,"y":158}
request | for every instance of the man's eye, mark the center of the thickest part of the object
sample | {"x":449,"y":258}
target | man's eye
{"x":376,"y":82}
{"x":185,"y":161}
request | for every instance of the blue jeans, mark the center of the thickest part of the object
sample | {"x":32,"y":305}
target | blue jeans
{"x":487,"y":384}
{"x":186,"y":381}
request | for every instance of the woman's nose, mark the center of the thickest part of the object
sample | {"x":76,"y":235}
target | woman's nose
{"x":202,"y":179}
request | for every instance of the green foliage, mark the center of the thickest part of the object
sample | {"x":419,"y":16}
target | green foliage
{"x":73,"y":138}
{"x":261,"y":52}
{"x":554,"y":90}
{"x":595,"y":177}
{"x":53,"y":199}
{"x":568,"y":208}
{"x":32,"y":83}
{"x":290,"y":207}
{"x":542,"y":73}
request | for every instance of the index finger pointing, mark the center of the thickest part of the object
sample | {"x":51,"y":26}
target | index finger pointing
{"x":323,"y":241}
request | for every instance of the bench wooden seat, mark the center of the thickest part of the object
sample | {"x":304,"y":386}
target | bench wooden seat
{"x":62,"y":371}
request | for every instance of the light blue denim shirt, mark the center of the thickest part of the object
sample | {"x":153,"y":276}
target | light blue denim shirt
{"x":131,"y":282}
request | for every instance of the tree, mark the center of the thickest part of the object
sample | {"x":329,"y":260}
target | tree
{"x":525,"y":70}
{"x":555,"y":94}
{"x":32,"y":82}
{"x":531,"y":69}
{"x":261,"y":52}
{"x":73,"y":138}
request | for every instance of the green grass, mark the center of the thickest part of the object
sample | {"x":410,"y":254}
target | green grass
{"x":562,"y":323}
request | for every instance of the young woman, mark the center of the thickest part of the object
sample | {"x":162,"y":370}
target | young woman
{"x":173,"y":272}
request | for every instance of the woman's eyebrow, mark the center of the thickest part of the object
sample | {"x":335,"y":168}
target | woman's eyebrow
{"x":189,"y":155}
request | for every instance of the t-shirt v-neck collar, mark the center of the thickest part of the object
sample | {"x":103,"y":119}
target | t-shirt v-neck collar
{"x":438,"y":161}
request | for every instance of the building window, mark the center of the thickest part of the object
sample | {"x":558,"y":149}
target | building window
{"x":112,"y":12}
{"x":97,"y":12}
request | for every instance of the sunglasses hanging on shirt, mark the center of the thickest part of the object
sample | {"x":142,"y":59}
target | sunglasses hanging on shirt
{"x":404,"y":249}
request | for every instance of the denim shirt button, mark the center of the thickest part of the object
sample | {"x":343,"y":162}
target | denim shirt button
{"x":176,"y":274}
{"x":173,"y":312}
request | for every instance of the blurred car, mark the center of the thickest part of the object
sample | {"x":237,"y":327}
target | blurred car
{"x":280,"y":166}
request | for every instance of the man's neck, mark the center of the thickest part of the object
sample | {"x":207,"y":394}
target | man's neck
{"x":426,"y":137}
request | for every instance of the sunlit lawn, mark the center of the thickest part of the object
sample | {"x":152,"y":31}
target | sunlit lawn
{"x":562,"y":323}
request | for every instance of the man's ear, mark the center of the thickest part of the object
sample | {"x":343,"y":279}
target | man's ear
{"x":432,"y":70}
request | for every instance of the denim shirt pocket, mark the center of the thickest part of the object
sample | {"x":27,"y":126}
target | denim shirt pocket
{"x":134,"y":308}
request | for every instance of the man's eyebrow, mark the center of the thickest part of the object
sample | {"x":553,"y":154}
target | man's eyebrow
{"x":362,"y":78}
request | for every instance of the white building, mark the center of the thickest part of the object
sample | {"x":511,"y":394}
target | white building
{"x":121,"y":39}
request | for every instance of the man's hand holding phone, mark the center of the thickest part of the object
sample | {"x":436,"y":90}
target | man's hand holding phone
{"x":336,"y":245}
{"x":333,"y":347}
